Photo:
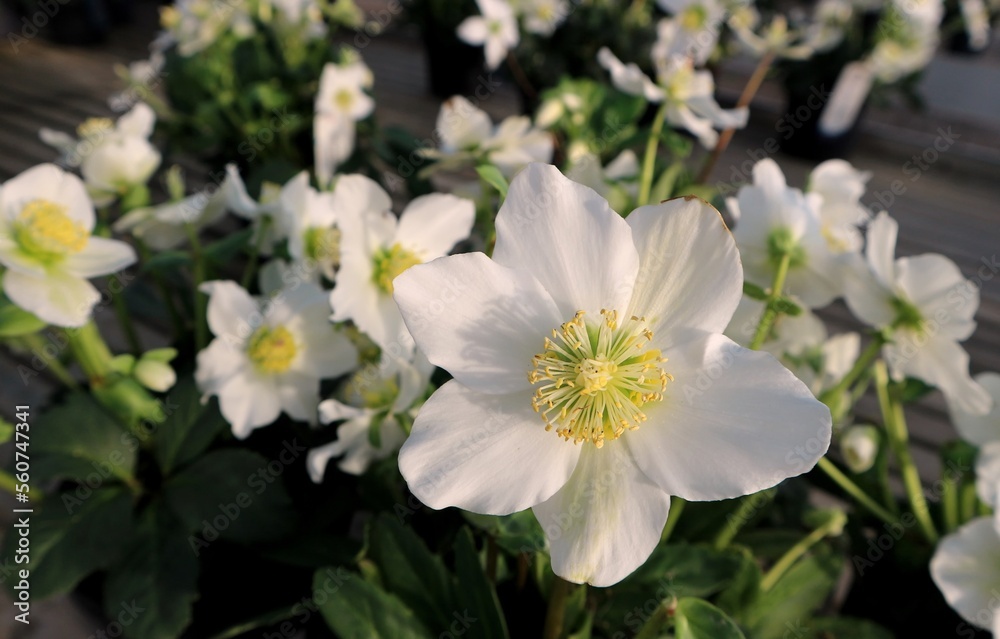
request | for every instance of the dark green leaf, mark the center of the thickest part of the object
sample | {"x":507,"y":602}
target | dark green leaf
{"x":754,"y":292}
{"x":698,"y":619}
{"x":913,"y":389}
{"x":166,"y":261}
{"x":356,"y":609}
{"x":15,"y":321}
{"x":745,"y":587}
{"x":476,"y":593}
{"x":515,"y":533}
{"x":492,"y":176}
{"x":234,"y":494}
{"x":228,"y":248}
{"x":189,"y":428}
{"x":683,"y":570}
{"x":842,"y":628}
{"x":151,"y":590}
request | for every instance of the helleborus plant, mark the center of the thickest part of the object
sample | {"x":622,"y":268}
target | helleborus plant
{"x":340,"y":103}
{"x":47,"y":246}
{"x":496,"y":30}
{"x":575,"y":353}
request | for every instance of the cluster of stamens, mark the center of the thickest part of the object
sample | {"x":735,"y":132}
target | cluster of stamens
{"x":591,"y":381}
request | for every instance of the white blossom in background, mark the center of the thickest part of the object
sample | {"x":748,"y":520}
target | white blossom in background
{"x":966,"y":568}
{"x":791,"y":334}
{"x":496,"y":30}
{"x":976,"y":18}
{"x":770,"y":218}
{"x":575,"y":354}
{"x":165,"y":226}
{"x":825,"y":29}
{"x":840,"y":186}
{"x":309,"y":221}
{"x":693,"y":31}
{"x":980,"y":429}
{"x":378,"y":395}
{"x":774,"y":38}
{"x":267,"y":207}
{"x":927,"y":305}
{"x":541,"y":17}
{"x":194,"y":25}
{"x":376,"y":247}
{"x":686,"y":93}
{"x":615,"y":182}
{"x":467,"y":135}
{"x":46,"y":246}
{"x":340,"y":103}
{"x":270,"y":354}
{"x":114,"y":157}
{"x":907,"y":36}
{"x":859,"y":445}
{"x":565,"y":104}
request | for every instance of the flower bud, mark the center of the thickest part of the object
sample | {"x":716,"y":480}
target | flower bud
{"x":154,"y":372}
{"x":859,"y":445}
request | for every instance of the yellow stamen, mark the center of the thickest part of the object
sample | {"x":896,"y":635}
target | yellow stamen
{"x":45,"y":231}
{"x":389,"y":263}
{"x":272,"y":349}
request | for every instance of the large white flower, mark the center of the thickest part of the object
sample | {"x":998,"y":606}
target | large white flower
{"x":966,"y":568}
{"x":46,"y":221}
{"x":340,"y":103}
{"x":687,"y":94}
{"x":929,"y":307}
{"x":771,"y":218}
{"x":495,"y":29}
{"x":840,"y":211}
{"x":591,"y":379}
{"x":113,"y":158}
{"x":376,"y":247}
{"x":269,"y":355}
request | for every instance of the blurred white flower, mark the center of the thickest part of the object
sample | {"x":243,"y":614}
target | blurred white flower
{"x":614,"y":182}
{"x":309,"y":220}
{"x":976,"y":18}
{"x":966,"y":568}
{"x":829,"y":20}
{"x":859,"y":445}
{"x":268,"y":207}
{"x":840,"y":186}
{"x":541,"y":17}
{"x":775,"y":38}
{"x":113,"y":158}
{"x":46,"y":221}
{"x":915,"y":297}
{"x":575,"y":389}
{"x":496,"y":29}
{"x":163,"y":227}
{"x":693,"y":31}
{"x":791,"y":334}
{"x":194,"y":25}
{"x":907,"y":37}
{"x":269,"y":355}
{"x":980,"y":429}
{"x":340,"y":102}
{"x":772,"y":218}
{"x":376,"y":247}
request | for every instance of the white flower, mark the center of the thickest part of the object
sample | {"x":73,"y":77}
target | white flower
{"x":576,"y":353}
{"x":966,"y":568}
{"x":859,"y":445}
{"x":686,"y":92}
{"x":515,"y":144}
{"x":771,"y":218}
{"x":980,"y":429}
{"x":976,"y":18}
{"x":775,"y":38}
{"x":609,"y":181}
{"x":380,"y":393}
{"x":916,"y":297}
{"x":840,"y":186}
{"x":496,"y":30}
{"x":376,"y":247}
{"x":269,"y":356}
{"x":46,"y":221}
{"x":791,"y":334}
{"x":268,"y":207}
{"x":113,"y":157}
{"x":194,"y":25}
{"x":693,"y":31}
{"x":309,"y":220}
{"x":340,"y":102}
{"x":542,"y":16}
{"x":908,"y":37}
{"x":162,"y":227}
{"x":829,"y":21}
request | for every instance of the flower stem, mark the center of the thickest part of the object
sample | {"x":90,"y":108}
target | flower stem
{"x":649,"y":159}
{"x":968,"y":502}
{"x":168,"y":297}
{"x":200,"y":299}
{"x":255,"y":249}
{"x":749,"y":506}
{"x":794,"y":553}
{"x":653,"y":628}
{"x":676,"y":508}
{"x":895,"y":425}
{"x":854,"y":490}
{"x":749,"y":91}
{"x":557,"y":608}
{"x":860,"y":366}
{"x":34,"y":342}
{"x":91,"y":352}
{"x":949,"y":502}
{"x":770,"y":309}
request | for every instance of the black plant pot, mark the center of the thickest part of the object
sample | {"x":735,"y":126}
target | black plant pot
{"x":800,"y":132}
{"x":452,"y":65}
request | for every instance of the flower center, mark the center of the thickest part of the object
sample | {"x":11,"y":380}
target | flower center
{"x":693,"y":18}
{"x":44,"y":230}
{"x":323,"y":244}
{"x":907,"y":315}
{"x":591,"y":381}
{"x":272,"y":349}
{"x":94,"y":128}
{"x":343,"y":98}
{"x":391,"y":262}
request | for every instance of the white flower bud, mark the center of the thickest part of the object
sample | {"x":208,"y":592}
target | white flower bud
{"x":859,"y":445}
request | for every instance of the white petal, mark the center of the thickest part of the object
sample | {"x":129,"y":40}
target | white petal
{"x":461,"y":125}
{"x":299,"y":396}
{"x":940,"y":362}
{"x":138,"y":122}
{"x":474,"y":30}
{"x":569,"y":238}
{"x":331,"y":410}
{"x":733,"y":422}
{"x":607,"y":519}
{"x":433,"y":224}
{"x":866,"y":296}
{"x":47,"y":182}
{"x":881,"y":248}
{"x":248,"y":401}
{"x":988,"y":473}
{"x":58,"y":297}
{"x":232,"y":312}
{"x":932,"y":283}
{"x":488,"y":454}
{"x":966,"y":568}
{"x":99,"y":257}
{"x":683,"y":117}
{"x":629,"y":78}
{"x":689,"y":270}
{"x":480,"y":321}
{"x":216,"y":363}
{"x":980,"y":429}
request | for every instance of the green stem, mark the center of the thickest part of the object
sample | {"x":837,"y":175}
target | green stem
{"x":749,"y":506}
{"x":37,"y":346}
{"x":649,"y":159}
{"x":653,"y":628}
{"x":968,"y":502}
{"x":770,"y":309}
{"x":860,"y":366}
{"x":168,"y":298}
{"x":794,"y":553}
{"x":949,"y":502}
{"x":895,"y":425}
{"x":91,"y":352}
{"x":255,"y":249}
{"x":676,"y":508}
{"x":854,"y":490}
{"x":557,"y":608}
{"x":200,"y":299}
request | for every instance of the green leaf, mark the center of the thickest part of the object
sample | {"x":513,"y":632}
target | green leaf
{"x":232,"y":494}
{"x":166,"y":261}
{"x":411,"y":572}
{"x":15,"y":321}
{"x":787,"y":306}
{"x":227,"y":249}
{"x":71,"y":538}
{"x":156,"y":582}
{"x":492,"y":176}
{"x":698,"y":619}
{"x":356,"y":609}
{"x":913,"y":389}
{"x":6,"y":430}
{"x":754,"y":292}
{"x":78,"y":440}
{"x":690,"y":571}
{"x":189,"y":428}
{"x":515,"y":533}
{"x":745,"y":587}
{"x":476,"y":593}
{"x":842,"y":628}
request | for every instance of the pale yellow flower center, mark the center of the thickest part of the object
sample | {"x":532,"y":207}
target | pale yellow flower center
{"x":45,"y":231}
{"x":272,"y":349}
{"x":343,"y":99}
{"x":693,"y":18}
{"x":323,"y":244}
{"x":94,"y":127}
{"x":389,"y":263}
{"x":592,"y":380}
